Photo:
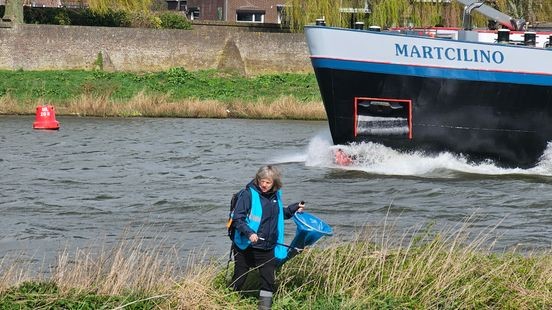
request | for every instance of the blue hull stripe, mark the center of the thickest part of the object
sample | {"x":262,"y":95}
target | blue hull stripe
{"x":434,"y":72}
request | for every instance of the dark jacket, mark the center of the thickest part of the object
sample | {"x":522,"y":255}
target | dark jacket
{"x":268,"y":227}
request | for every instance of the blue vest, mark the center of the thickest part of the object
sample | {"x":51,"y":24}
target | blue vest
{"x":254,"y":220}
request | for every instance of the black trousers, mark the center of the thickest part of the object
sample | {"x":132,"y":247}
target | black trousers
{"x":251,"y":258}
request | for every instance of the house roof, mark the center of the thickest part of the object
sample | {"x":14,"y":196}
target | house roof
{"x":45,"y":3}
{"x":250,"y":9}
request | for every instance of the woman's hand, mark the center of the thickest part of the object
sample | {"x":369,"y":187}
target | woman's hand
{"x":253,"y":238}
{"x":301,"y":207}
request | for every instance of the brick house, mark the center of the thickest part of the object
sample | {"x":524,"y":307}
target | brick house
{"x":74,"y":3}
{"x":39,"y":3}
{"x":53,"y":3}
{"x":43,"y":3}
{"x":258,"y":11}
{"x":252,"y":11}
{"x":199,"y":9}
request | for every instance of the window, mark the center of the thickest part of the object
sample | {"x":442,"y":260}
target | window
{"x":250,"y":16}
{"x":193,"y":13}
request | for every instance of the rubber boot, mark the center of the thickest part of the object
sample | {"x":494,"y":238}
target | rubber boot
{"x":265,"y":300}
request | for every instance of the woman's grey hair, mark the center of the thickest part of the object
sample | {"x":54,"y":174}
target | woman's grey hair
{"x":270,"y":172}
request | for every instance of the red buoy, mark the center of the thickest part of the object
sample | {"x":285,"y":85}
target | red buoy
{"x":45,"y":118}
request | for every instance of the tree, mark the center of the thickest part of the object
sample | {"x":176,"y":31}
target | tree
{"x":418,"y":13}
{"x":384,"y":13}
{"x":13,"y":11}
{"x":303,"y":12}
{"x":534,"y":11}
{"x":120,"y":5}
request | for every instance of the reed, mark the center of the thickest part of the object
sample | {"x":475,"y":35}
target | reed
{"x":201,"y":287}
{"x":448,"y":269}
{"x":142,"y":105}
{"x":8,"y":105}
{"x":422,"y":268}
{"x":14,"y":271}
{"x":132,"y":265}
{"x":285,"y":107}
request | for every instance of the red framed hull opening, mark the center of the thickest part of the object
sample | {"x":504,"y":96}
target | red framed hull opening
{"x":382,"y":117}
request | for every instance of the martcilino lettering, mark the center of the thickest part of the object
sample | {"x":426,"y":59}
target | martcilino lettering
{"x":449,"y":53}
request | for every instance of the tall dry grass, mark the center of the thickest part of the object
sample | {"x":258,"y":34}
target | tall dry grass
{"x":15,"y":270}
{"x":132,"y":265}
{"x":448,"y":269}
{"x":143,"y":105}
{"x":199,"y":287}
{"x":10,"y":106}
{"x":283,"y":108}
{"x":381,"y":268}
{"x":136,"y":266}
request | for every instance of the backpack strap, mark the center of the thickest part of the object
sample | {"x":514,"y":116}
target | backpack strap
{"x":233,"y":203}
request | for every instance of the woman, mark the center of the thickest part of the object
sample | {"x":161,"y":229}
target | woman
{"x":259,"y":236}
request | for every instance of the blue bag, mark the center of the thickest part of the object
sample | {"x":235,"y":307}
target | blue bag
{"x":309,"y":230}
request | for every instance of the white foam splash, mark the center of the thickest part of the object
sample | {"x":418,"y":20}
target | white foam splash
{"x":319,"y":151}
{"x":290,"y":158}
{"x":376,"y":158}
{"x":315,"y":153}
{"x":544,"y":167}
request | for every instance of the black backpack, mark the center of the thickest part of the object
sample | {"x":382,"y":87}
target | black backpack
{"x":230,"y":224}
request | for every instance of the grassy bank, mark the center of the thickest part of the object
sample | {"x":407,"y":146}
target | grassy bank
{"x":172,"y":93}
{"x":378,"y":270}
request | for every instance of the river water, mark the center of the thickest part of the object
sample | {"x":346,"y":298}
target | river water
{"x":100,"y":178}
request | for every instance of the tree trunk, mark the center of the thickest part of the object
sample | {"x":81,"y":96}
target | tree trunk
{"x":531,"y":16}
{"x":13,"y":12}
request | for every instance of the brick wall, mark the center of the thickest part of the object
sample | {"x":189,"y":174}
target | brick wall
{"x":51,"y":47}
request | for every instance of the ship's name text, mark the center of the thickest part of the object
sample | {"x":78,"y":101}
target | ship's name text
{"x":449,"y":53}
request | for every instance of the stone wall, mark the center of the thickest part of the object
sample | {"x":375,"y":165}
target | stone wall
{"x":239,"y":49}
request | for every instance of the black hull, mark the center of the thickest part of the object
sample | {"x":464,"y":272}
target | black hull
{"x":508,"y":123}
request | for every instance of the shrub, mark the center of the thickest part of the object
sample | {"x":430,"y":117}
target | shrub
{"x":109,"y":18}
{"x":171,"y":20}
{"x":62,"y":18}
{"x":144,"y":20}
{"x":77,"y":17}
